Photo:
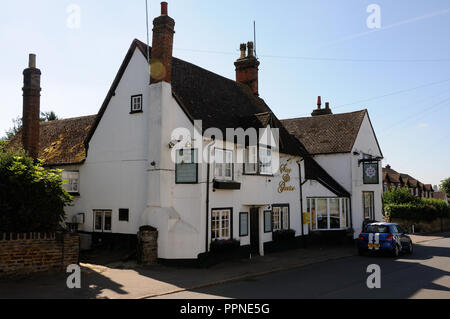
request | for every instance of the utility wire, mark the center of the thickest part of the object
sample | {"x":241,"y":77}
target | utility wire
{"x":392,"y":93}
{"x":324,"y":58}
{"x":434,"y":106}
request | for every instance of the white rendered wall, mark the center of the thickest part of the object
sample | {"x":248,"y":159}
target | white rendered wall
{"x":112,"y":176}
{"x":365,"y":143}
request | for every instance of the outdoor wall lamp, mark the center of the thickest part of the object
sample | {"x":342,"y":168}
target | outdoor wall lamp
{"x":173,"y":142}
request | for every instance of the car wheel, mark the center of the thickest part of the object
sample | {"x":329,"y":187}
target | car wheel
{"x":411,"y":248}
{"x":396,"y":251}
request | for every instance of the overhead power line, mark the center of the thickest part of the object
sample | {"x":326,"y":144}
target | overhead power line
{"x":392,"y":93}
{"x":442,"y":103}
{"x":328,"y":59}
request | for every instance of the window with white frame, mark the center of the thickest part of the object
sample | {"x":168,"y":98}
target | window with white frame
{"x":369,"y":205}
{"x":136,"y":103}
{"x":103,"y":221}
{"x":280,"y":217}
{"x":328,"y":213}
{"x":265,"y":161}
{"x":251,"y":160}
{"x":220,"y":224}
{"x":223,"y":164}
{"x":71,"y":181}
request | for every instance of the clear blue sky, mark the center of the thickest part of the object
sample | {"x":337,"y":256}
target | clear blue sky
{"x":351,"y":63}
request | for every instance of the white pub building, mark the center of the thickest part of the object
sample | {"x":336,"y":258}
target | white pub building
{"x":158,"y":154}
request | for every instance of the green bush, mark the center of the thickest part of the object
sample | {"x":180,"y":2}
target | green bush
{"x":32,"y":198}
{"x":412,"y":212}
{"x":441,"y":206}
{"x":400,"y":196}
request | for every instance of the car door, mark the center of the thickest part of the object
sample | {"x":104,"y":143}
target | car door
{"x":400,"y":233}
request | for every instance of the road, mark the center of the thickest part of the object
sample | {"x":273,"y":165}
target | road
{"x":425,"y":274}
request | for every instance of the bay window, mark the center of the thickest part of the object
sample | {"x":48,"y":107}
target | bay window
{"x":328,"y":213}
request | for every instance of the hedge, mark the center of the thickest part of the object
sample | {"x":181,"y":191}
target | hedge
{"x":441,"y":206}
{"x":413,"y":212}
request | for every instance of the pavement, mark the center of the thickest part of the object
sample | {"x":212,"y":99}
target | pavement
{"x":129,"y":281}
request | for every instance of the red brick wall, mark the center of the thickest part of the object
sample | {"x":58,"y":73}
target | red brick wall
{"x":26,"y":254}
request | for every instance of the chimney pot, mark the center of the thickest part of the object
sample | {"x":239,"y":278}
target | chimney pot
{"x":319,"y":102}
{"x":243,"y":50}
{"x":247,"y":68}
{"x":250,"y":47}
{"x":32,"y":60}
{"x":164,"y":8}
{"x":327,"y":105}
{"x":162,"y":47}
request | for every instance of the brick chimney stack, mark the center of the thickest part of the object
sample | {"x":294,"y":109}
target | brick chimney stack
{"x":319,"y":111}
{"x":31,"y":108}
{"x":162,"y":47}
{"x":247,"y":68}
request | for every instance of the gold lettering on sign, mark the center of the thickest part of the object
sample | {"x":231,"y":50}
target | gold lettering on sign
{"x":286,"y":178}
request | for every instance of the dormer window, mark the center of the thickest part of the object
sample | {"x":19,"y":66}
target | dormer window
{"x":136,"y":104}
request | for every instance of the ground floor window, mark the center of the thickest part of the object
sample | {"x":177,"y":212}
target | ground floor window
{"x":328,"y":213}
{"x":103,"y":220}
{"x":369,"y":205}
{"x":280,"y":217}
{"x":220,"y":224}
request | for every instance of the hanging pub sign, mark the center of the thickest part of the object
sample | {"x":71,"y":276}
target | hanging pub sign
{"x":371,"y":173}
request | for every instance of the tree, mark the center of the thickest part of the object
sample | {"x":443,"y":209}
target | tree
{"x":445,"y":186}
{"x":49,"y":116}
{"x":32,"y":199}
{"x":399,"y":196}
{"x":17,"y":123}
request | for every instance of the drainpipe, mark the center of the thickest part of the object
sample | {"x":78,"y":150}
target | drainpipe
{"x":301,"y":200}
{"x":207,"y":195}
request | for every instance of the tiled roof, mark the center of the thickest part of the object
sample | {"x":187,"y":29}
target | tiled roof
{"x":61,"y":142}
{"x":392,"y":175}
{"x":221,"y":103}
{"x":217,"y":101}
{"x":407,"y":179}
{"x":327,"y":134}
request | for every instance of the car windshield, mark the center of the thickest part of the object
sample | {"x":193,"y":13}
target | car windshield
{"x":378,"y":229}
